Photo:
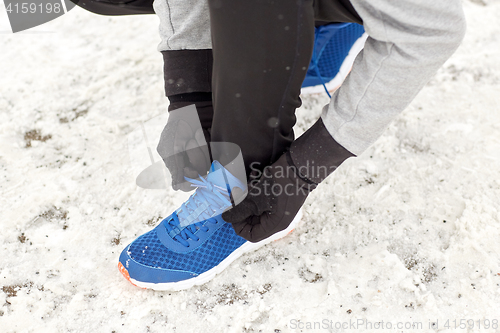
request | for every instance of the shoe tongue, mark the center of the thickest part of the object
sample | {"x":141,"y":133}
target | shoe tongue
{"x":219,"y":176}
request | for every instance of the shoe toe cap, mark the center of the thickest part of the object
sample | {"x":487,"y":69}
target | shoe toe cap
{"x":137,"y":272}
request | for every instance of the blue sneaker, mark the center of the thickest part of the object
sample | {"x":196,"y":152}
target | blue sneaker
{"x":181,"y":252}
{"x":336,"y":46}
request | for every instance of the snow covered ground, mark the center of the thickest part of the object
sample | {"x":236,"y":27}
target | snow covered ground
{"x":407,"y":233}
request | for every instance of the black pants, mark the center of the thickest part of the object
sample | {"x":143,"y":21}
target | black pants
{"x":117,"y":7}
{"x":260,"y":56}
{"x":261,"y":53}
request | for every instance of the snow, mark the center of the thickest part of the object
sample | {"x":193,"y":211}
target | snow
{"x":407,"y":232}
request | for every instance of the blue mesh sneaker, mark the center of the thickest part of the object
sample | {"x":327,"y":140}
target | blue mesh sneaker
{"x":336,"y":46}
{"x":182,"y":252}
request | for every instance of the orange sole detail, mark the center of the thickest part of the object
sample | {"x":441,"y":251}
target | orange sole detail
{"x":124,"y":272}
{"x":284,"y":236}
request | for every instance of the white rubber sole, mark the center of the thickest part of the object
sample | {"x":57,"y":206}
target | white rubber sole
{"x":344,"y":70}
{"x":210,"y":274}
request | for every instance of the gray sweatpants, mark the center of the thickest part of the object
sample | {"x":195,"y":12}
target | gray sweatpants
{"x":408,"y":41}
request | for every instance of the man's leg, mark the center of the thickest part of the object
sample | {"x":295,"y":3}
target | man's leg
{"x":262,"y":51}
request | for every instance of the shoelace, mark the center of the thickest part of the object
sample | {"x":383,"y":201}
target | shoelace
{"x":207,"y":201}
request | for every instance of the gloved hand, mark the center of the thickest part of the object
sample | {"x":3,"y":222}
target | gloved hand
{"x":275,"y":198}
{"x":183,"y":147}
{"x":272,"y":202}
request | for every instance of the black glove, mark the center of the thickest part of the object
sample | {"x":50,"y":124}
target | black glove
{"x":183,"y":143}
{"x":272,"y":202}
{"x":275,"y":198}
